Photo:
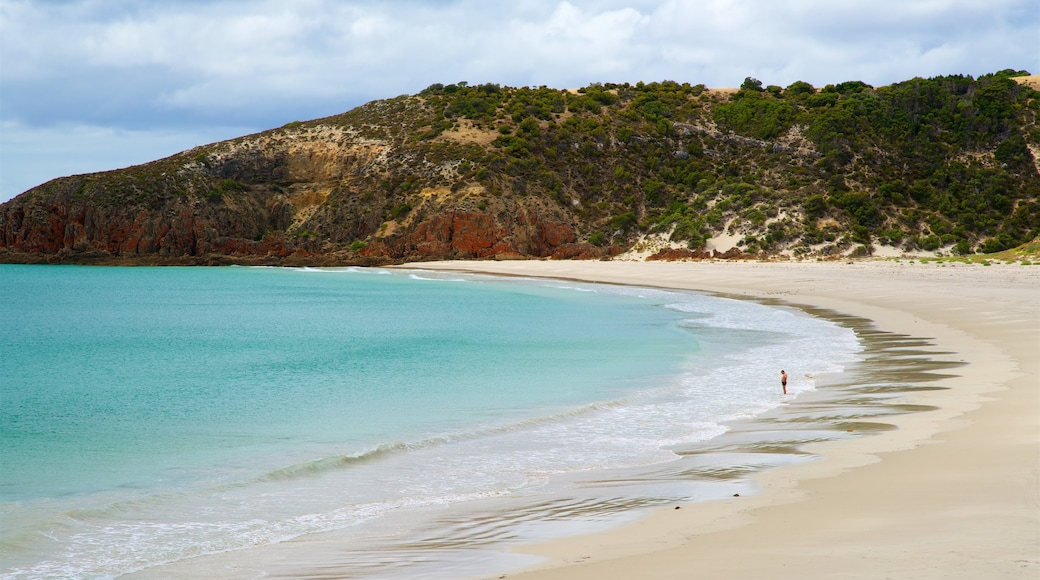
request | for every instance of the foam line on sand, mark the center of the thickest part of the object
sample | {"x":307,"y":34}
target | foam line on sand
{"x":950,"y":493}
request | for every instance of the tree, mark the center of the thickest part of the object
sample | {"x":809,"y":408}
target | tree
{"x":799,"y":88}
{"x":751,"y":84}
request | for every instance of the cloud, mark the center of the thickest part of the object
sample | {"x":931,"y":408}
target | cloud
{"x":182,"y":66}
{"x":193,"y":58}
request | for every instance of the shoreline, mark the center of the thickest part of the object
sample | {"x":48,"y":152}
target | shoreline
{"x":951,"y":492}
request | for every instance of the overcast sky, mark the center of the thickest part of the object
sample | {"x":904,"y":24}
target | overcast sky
{"x":90,"y":85}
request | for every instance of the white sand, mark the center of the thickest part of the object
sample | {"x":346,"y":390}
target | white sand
{"x":951,"y":493}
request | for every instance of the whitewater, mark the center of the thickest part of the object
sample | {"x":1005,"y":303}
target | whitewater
{"x":164,"y":422}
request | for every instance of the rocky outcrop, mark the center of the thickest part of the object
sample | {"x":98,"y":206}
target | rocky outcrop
{"x":58,"y":223}
{"x":279,"y":199}
{"x":56,"y":220}
{"x":678,"y":254}
{"x":457,"y":235}
{"x":461,"y":235}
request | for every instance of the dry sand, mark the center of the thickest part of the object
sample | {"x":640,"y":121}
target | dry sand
{"x":951,"y":493}
{"x":1032,"y":81}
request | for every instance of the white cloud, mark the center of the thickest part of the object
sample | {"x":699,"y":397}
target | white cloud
{"x":181,"y":66}
{"x":220,"y":52}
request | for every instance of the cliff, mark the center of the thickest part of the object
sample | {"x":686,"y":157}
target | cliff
{"x":459,"y":172}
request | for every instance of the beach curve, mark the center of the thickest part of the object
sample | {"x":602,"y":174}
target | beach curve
{"x":950,"y":493}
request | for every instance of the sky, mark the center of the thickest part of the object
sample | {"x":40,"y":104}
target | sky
{"x":93,"y":85}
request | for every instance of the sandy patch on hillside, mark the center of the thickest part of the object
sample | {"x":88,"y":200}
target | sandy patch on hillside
{"x":1032,"y":81}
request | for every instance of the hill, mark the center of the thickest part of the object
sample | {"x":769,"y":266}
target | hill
{"x":946,"y":165}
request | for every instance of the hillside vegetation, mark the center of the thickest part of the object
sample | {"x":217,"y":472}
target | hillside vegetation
{"x":944,"y":165}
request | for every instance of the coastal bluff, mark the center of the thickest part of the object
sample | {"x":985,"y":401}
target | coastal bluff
{"x":939,"y":166}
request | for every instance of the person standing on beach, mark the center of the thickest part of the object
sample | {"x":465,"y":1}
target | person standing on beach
{"x":783,"y":380}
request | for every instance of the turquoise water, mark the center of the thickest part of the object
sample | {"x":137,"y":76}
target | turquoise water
{"x":155,"y":415}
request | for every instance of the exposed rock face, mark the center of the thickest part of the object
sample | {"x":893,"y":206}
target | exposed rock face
{"x":53,"y":222}
{"x":676,"y":254}
{"x":473,"y":235}
{"x":260,"y":200}
{"x":460,"y":234}
{"x":63,"y":229}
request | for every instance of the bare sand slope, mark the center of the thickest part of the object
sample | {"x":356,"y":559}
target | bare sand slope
{"x":1032,"y":81}
{"x":951,"y":493}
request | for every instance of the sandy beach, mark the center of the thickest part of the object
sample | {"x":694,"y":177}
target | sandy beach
{"x":952,"y":492}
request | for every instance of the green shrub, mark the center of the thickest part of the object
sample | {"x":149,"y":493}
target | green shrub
{"x":224,"y":186}
{"x":930,"y":243}
{"x":625,"y":221}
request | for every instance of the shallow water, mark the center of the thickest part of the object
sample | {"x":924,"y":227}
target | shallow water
{"x":153,"y":416}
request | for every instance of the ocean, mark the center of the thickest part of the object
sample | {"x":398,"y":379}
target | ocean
{"x":351,"y":422}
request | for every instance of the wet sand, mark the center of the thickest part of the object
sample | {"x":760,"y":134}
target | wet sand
{"x":948,"y":489}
